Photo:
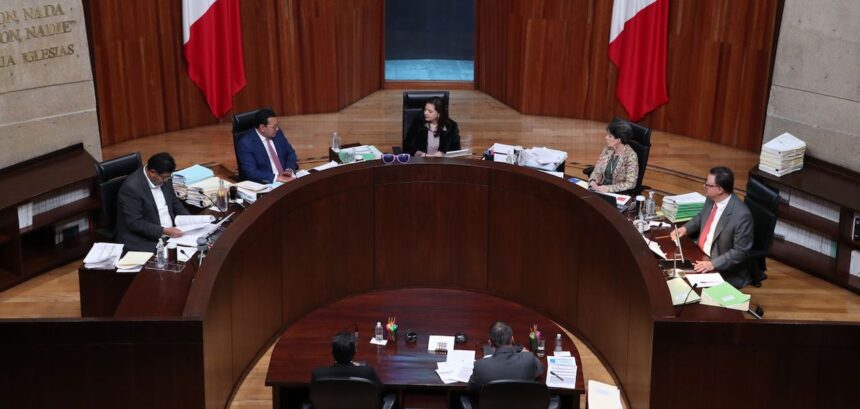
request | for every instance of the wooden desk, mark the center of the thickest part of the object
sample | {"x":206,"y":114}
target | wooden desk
{"x":408,"y":369}
{"x":443,"y":223}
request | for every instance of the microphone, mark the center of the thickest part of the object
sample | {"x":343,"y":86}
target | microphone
{"x":687,"y":298}
{"x":202,"y":246}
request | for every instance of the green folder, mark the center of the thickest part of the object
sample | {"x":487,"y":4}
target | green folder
{"x":726,"y":295}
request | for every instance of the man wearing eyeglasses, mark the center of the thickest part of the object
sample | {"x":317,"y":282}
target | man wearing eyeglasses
{"x":264,"y":154}
{"x":725,"y":229}
{"x":147,"y":205}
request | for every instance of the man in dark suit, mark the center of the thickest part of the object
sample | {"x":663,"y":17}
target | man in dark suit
{"x":343,"y":349}
{"x":725,"y":229}
{"x":264,"y":154}
{"x":148,"y":205}
{"x":507,"y":361}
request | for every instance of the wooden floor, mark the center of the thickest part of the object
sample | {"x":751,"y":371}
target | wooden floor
{"x":677,"y":164}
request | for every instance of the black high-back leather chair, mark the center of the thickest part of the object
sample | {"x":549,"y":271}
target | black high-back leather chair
{"x":343,"y":393}
{"x":762,"y":202}
{"x":413,"y":107}
{"x":110,"y":175}
{"x":640,"y":142}
{"x":242,"y":122}
{"x":519,"y":394}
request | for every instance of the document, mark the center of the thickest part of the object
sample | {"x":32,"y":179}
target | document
{"x":561,"y":372}
{"x":726,"y":296}
{"x":705,"y":280}
{"x":194,"y":174}
{"x":450,"y":373}
{"x":134,"y":259}
{"x":191,"y":223}
{"x":654,"y":247}
{"x":681,"y":292}
{"x":103,"y":256}
{"x":325,"y":166}
{"x":381,"y":342}
{"x":603,"y":396}
{"x":440,"y":343}
{"x":457,"y":367}
{"x":252,"y":186}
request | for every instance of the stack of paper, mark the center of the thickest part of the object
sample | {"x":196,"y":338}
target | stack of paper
{"x":603,"y":396}
{"x":190,"y":223}
{"x":194,"y":174}
{"x":681,"y":208}
{"x":103,"y":256}
{"x":133,"y":261}
{"x":782,"y":155}
{"x":561,"y":372}
{"x":457,"y":367}
{"x":200,"y":192}
{"x":726,"y":296}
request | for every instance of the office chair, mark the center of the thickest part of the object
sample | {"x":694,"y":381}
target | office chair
{"x":109,"y":175}
{"x":413,"y":107}
{"x":343,"y":393}
{"x":762,"y":202}
{"x":519,"y":394}
{"x":640,"y":142}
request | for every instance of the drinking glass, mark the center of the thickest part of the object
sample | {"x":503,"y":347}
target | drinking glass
{"x":541,"y":347}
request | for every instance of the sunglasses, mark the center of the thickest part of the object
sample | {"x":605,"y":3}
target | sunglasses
{"x":390,"y":158}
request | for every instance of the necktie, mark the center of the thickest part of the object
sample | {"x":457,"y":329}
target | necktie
{"x":274,"y":156}
{"x":707,"y":230}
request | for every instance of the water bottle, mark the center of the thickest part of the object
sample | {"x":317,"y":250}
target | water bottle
{"x":160,"y":259}
{"x":223,"y":203}
{"x":558,"y":347}
{"x":335,"y":142}
{"x":378,"y":334}
{"x":650,"y":206}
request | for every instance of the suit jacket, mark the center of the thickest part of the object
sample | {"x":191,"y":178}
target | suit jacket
{"x":416,"y":137}
{"x":339,"y":370}
{"x":507,"y":362}
{"x":626,"y":171}
{"x":253,"y":156}
{"x":138,"y":225}
{"x":733,"y":239}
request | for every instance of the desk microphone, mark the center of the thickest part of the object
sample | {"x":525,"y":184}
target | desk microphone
{"x":678,"y":243}
{"x":202,"y":246}
{"x":687,"y":298}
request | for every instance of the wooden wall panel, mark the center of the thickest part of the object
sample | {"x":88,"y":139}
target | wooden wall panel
{"x":301,"y":56}
{"x":549,"y":57}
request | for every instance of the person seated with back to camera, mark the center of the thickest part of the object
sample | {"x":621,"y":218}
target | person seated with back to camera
{"x":617,"y":169}
{"x":343,"y":350}
{"x":263,"y":153}
{"x":434,"y":134}
{"x":506,"y":362}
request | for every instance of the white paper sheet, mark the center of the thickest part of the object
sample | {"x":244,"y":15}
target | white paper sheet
{"x":705,"y":280}
{"x":561,"y":372}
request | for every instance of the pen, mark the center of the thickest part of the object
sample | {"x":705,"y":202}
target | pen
{"x":662,"y":237}
{"x":556,"y":375}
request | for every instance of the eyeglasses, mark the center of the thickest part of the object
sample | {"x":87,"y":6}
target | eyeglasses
{"x":390,"y":158}
{"x":710,"y":185}
{"x":275,"y":127}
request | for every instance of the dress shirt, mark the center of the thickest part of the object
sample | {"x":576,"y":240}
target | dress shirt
{"x":160,"y":202}
{"x":266,"y":142}
{"x":432,"y":142}
{"x":709,"y":241}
